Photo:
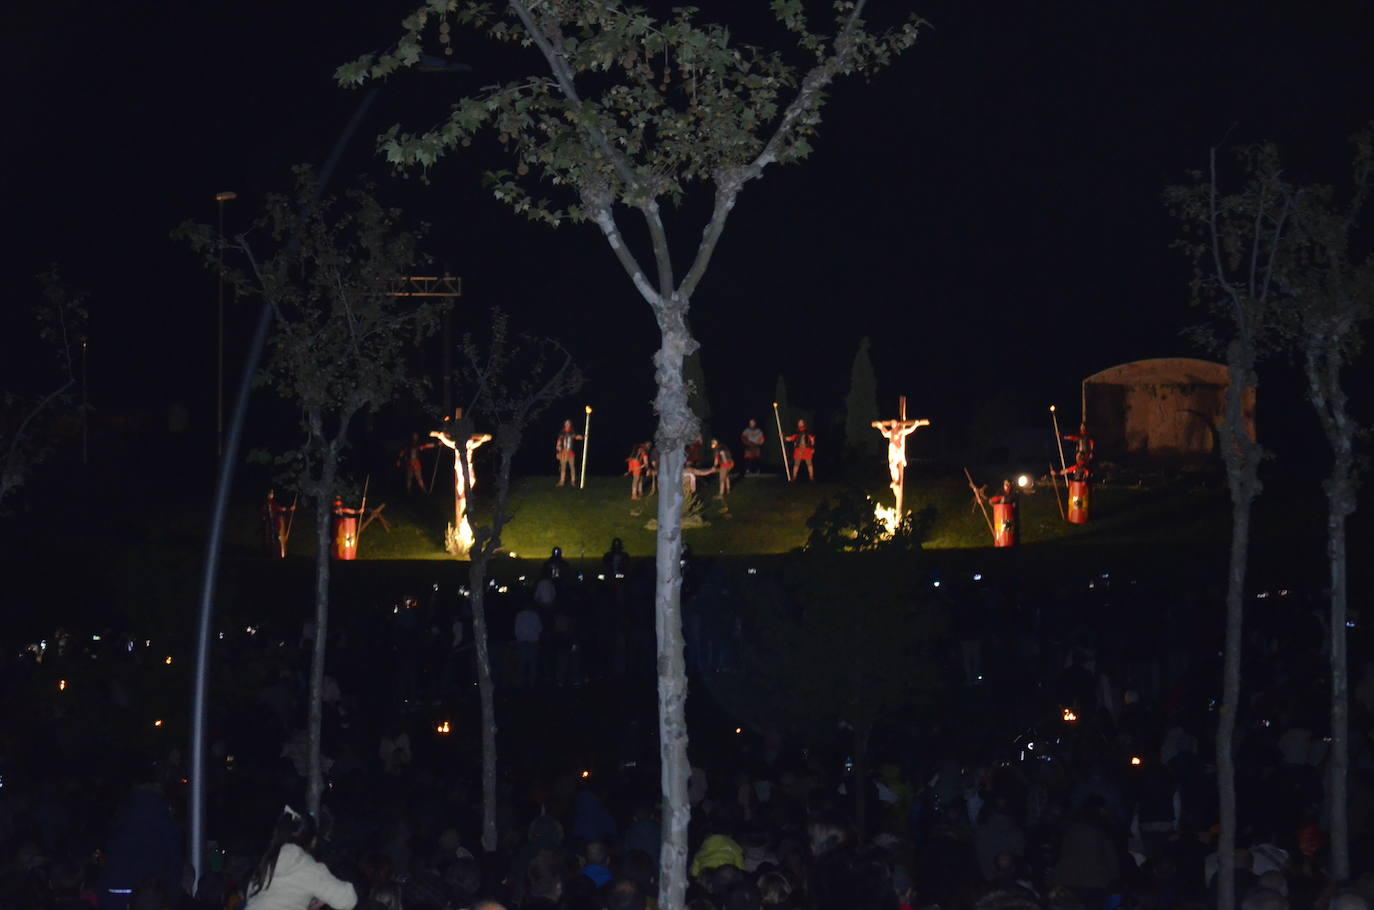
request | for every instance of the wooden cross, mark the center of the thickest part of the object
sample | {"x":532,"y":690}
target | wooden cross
{"x":896,"y":432}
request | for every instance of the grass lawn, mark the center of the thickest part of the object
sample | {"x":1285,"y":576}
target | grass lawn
{"x":765,"y":515}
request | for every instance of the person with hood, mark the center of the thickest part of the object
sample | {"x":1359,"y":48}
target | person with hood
{"x":288,"y":877}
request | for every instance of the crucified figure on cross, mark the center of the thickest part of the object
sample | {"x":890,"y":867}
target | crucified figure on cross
{"x":462,"y":481}
{"x":896,"y":431}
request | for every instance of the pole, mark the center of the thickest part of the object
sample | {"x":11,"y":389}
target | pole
{"x":978,"y":497}
{"x":777,"y":419}
{"x":1059,"y":502}
{"x":586,"y":440}
{"x":1058,"y":440}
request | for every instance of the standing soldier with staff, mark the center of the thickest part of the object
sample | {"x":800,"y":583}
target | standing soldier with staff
{"x":566,"y":453}
{"x":803,"y":450}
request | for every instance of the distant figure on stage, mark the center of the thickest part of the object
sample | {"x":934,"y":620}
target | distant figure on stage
{"x":723,"y":464}
{"x":653,"y":468}
{"x":803,"y":449}
{"x":696,"y":450}
{"x":896,"y":432}
{"x":752,"y":439}
{"x":1082,"y":444}
{"x":409,"y":459}
{"x":637,"y":465}
{"x":566,"y":453}
{"x":276,"y":520}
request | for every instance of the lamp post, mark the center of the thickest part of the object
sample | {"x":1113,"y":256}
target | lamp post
{"x":220,"y":198}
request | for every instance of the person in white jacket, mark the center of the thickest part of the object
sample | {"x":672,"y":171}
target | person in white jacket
{"x":289,"y":878}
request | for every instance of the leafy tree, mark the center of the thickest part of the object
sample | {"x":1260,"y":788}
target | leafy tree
{"x":340,"y":346}
{"x":861,"y":409}
{"x":27,"y":416}
{"x":1332,"y":296}
{"x":622,"y":112}
{"x":514,"y":380}
{"x":855,"y":642}
{"x":1239,"y":244}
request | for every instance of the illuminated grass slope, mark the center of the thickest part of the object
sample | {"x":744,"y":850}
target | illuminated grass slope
{"x":766,"y":515}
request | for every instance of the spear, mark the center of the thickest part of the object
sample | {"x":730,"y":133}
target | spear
{"x":362,"y":510}
{"x":290,"y":519}
{"x":1059,"y":502}
{"x":978,"y":498}
{"x":434,"y":475}
{"x":1058,"y":440}
{"x":778,"y":420}
{"x":586,"y":436}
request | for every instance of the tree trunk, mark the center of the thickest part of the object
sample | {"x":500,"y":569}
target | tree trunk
{"x":676,"y":427}
{"x":315,"y":778}
{"x":1242,"y":471}
{"x":486,"y":692}
{"x":1340,"y":505}
{"x":1323,"y":361}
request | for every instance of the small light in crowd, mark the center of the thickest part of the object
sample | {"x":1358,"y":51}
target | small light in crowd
{"x":443,"y":728}
{"x":935,"y":584}
{"x":395,"y":609}
{"x":168,"y":661}
{"x":221,"y":636}
{"x":1283,"y":592}
{"x":511,"y":554}
{"x":739,"y":730}
{"x":1023,"y":481}
{"x":600,"y":577}
{"x":586,"y":774}
{"x":753,"y":571}
{"x":519,"y":578}
{"x":1135,"y":760}
{"x":977,"y":576}
{"x":147,"y":642}
{"x":1030,"y":747}
{"x":157,"y":723}
{"x":61,"y":685}
{"x":1069,"y":716}
{"x":502,"y":589}
{"x":95,"y":638}
{"x":1261,"y":595}
{"x":620,"y":575}
{"x":229,"y":761}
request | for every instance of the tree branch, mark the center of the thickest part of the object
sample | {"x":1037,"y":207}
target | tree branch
{"x":727,"y":188}
{"x":605,"y":219}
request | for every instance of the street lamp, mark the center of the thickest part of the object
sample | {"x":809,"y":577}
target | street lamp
{"x":220,"y":198}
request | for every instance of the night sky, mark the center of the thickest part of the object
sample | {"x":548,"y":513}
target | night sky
{"x":988,"y":209}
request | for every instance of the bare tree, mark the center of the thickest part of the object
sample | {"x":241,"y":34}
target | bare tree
{"x":1333,"y":295}
{"x":514,"y":379}
{"x":627,"y":112}
{"x":26,"y":418}
{"x":340,"y":347}
{"x":1237,"y":242}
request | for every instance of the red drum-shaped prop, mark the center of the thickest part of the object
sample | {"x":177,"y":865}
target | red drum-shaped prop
{"x":1080,"y":495}
{"x":345,"y":536}
{"x":1004,"y":530}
